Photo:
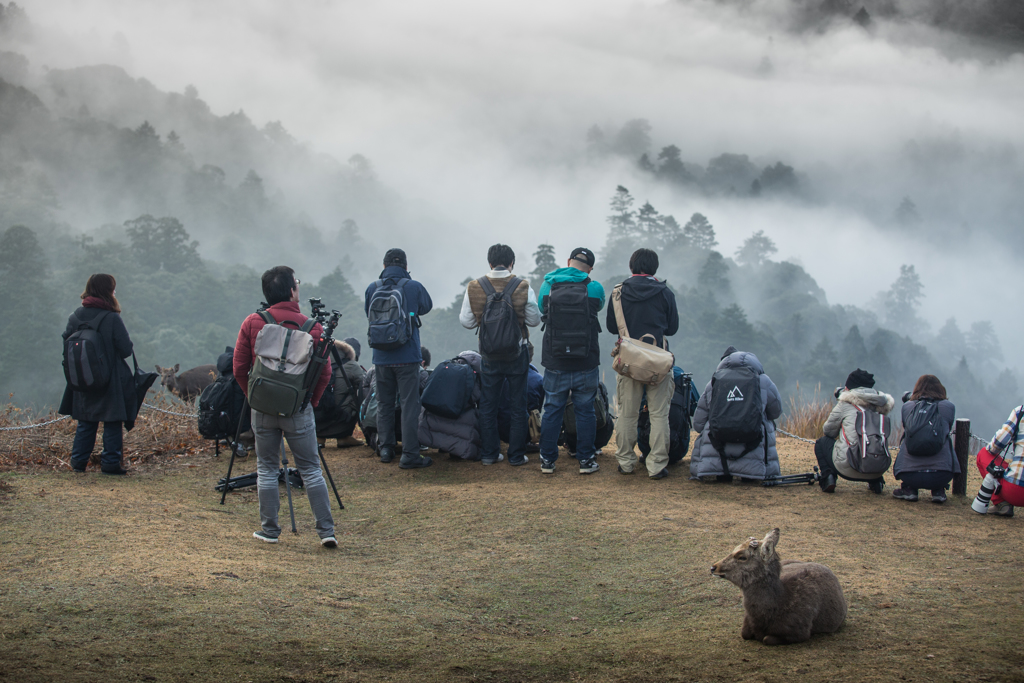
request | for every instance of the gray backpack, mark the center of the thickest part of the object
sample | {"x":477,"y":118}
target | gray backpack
{"x":278,"y":380}
{"x":871,"y":456}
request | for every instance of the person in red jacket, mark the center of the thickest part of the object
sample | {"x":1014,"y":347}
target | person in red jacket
{"x":281,"y":290}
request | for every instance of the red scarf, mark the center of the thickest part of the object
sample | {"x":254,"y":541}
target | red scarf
{"x":97,"y":302}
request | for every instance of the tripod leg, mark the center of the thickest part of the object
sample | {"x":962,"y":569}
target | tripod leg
{"x":327,"y":471}
{"x":288,"y":485}
{"x":234,"y":445}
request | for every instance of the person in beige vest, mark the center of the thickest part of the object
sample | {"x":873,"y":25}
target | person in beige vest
{"x":503,"y":359}
{"x":649,"y":307}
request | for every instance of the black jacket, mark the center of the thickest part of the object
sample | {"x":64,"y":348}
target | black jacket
{"x":649,"y":307}
{"x":117,"y":403}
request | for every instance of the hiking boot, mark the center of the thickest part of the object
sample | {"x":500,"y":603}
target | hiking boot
{"x":263,"y":536}
{"x":547,"y":466}
{"x":622,"y":471}
{"x":329,"y":542}
{"x":493,"y":462}
{"x":1002,"y":509}
{"x":660,"y":475}
{"x":909,"y":494}
{"x":828,"y":483}
{"x":522,"y":461}
{"x":939,"y":496}
{"x":589,"y":466}
{"x":387,"y":453}
{"x":414,"y":463}
{"x":877,"y":485}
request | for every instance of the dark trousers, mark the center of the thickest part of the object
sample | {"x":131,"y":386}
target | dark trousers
{"x":402,"y":381}
{"x":85,"y":439}
{"x":492,"y":376}
{"x":933,"y":481}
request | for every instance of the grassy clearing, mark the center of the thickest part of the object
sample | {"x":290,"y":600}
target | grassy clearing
{"x":462,"y":573}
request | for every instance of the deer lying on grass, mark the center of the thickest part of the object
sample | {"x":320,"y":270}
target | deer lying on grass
{"x":784,"y":601}
{"x":188,"y":384}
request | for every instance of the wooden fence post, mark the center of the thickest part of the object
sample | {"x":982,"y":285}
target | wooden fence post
{"x":962,"y":446}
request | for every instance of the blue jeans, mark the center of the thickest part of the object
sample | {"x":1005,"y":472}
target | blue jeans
{"x":492,"y":376}
{"x":85,"y":439}
{"x":557,"y":386}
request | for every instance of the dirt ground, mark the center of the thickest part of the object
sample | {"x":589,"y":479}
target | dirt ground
{"x":461,"y":572}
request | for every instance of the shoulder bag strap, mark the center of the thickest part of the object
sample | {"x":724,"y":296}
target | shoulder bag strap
{"x":619,"y":317}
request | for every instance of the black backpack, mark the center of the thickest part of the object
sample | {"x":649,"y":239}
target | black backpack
{"x":220,"y":406}
{"x":605,"y":421}
{"x":500,"y":333}
{"x":567,"y":327}
{"x":86,"y":365}
{"x":872,"y":453}
{"x":449,"y":391}
{"x":735,"y":413}
{"x":925,"y":431}
{"x":390,"y":326}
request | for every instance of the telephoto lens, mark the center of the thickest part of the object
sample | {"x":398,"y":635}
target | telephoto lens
{"x":988,"y":487}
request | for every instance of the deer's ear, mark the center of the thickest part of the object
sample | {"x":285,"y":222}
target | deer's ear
{"x":176,"y":366}
{"x":768,"y":543}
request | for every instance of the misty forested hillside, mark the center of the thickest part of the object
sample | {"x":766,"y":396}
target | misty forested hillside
{"x":101,"y":171}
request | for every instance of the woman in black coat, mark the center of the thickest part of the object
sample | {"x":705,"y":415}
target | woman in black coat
{"x":922,"y":470}
{"x":115,"y":405}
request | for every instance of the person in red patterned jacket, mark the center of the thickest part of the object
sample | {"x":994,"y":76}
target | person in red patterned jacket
{"x":281,"y":290}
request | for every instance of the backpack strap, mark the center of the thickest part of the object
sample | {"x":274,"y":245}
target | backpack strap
{"x":486,"y":285}
{"x":93,"y":324}
{"x":620,"y":318}
{"x":267,"y":317}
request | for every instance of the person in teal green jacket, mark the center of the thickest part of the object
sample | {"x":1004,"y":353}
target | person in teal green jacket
{"x":569,"y":302}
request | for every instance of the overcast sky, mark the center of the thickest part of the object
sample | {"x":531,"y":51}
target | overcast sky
{"x":481,"y":108}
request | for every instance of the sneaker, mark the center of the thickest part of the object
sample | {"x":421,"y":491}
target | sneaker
{"x":414,"y":463}
{"x":264,"y":537}
{"x":118,"y":471}
{"x":522,"y":461}
{"x":493,"y":462}
{"x":1002,"y":509}
{"x":589,"y":466}
{"x":939,"y":496}
{"x":329,"y":542}
{"x":876,"y":485}
{"x":660,"y":475}
{"x":387,"y":454}
{"x":907,"y":494}
{"x":547,"y":466}
{"x":622,"y":471}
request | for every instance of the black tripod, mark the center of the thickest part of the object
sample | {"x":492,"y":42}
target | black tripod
{"x":790,"y":479}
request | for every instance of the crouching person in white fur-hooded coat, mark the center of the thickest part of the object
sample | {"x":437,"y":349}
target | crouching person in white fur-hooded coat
{"x":840,"y":431}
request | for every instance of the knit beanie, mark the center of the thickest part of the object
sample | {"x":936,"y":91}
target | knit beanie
{"x":354,"y":343}
{"x":860,"y":378}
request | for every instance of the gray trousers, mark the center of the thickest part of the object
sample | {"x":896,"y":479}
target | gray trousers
{"x":300,"y":430}
{"x":403,"y":380}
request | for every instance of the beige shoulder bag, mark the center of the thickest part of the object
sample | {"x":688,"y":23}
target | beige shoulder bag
{"x":636,"y":358}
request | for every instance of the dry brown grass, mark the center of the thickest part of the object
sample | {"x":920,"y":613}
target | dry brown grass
{"x":806,"y":415}
{"x":461,"y":572}
{"x":155,"y":437}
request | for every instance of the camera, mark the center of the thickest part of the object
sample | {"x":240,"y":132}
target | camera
{"x":838,"y":391}
{"x":988,"y":487}
{"x":906,"y":396}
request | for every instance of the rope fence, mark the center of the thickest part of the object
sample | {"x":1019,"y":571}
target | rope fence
{"x":68,"y":417}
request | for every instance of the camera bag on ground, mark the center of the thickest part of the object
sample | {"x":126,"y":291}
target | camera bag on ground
{"x":220,"y":404}
{"x":567,"y":327}
{"x":684,"y":403}
{"x":278,"y":380}
{"x":926,"y":432}
{"x":635,"y":358}
{"x":86,"y":366}
{"x":872,"y":453}
{"x":500,"y":333}
{"x":390,"y":326}
{"x":449,"y":391}
{"x":603,"y":415}
{"x":735,"y":412}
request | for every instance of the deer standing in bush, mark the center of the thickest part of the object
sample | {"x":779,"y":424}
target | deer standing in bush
{"x":784,"y":601}
{"x":188,"y":384}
